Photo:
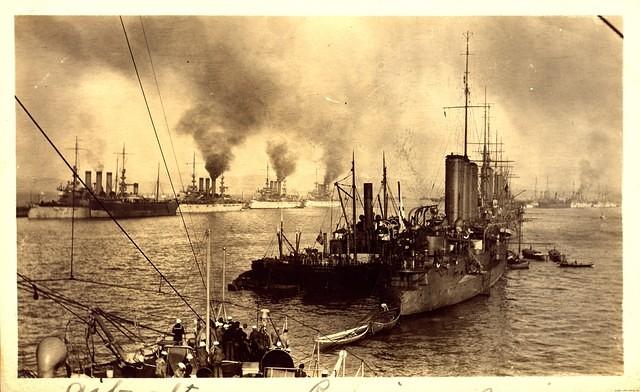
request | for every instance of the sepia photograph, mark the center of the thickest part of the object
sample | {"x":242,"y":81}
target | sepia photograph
{"x":325,"y":197}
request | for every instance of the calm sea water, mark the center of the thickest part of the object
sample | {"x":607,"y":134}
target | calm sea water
{"x":541,"y":321}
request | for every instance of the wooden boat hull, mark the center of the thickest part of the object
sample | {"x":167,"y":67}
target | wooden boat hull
{"x":533,"y":255}
{"x":343,"y":337}
{"x":520,"y":265}
{"x":578,"y":265}
{"x":380,"y":324}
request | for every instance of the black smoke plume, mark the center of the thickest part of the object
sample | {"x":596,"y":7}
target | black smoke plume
{"x":282,"y":159}
{"x":588,"y":177}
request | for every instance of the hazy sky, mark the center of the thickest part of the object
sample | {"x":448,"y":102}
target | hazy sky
{"x":234,"y":88}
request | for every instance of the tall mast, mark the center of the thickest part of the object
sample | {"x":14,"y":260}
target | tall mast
{"x":353,"y":205}
{"x":224,"y":278}
{"x":208,"y":337}
{"x":466,"y":92}
{"x":75,"y":167}
{"x":486,"y":127}
{"x":158,"y":183}
{"x":193,"y":173}
{"x":123,"y":183}
{"x":73,"y":204}
{"x":384,"y":188}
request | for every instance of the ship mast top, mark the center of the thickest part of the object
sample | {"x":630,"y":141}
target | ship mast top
{"x":466,"y":106}
{"x":466,"y":91}
{"x":353,"y":200}
{"x":123,"y":182}
{"x":384,"y":188}
{"x":193,"y":173}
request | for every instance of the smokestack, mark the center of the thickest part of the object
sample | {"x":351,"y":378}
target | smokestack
{"x":109,"y":185}
{"x":98,"y":181}
{"x":213,"y":188}
{"x":466,"y":191}
{"x":454,"y":177}
{"x":368,"y":206}
{"x":207,"y":185}
{"x":87,"y":179}
{"x":272,"y":186}
{"x":135,"y":188}
{"x":473,"y":206}
{"x":200,"y":184}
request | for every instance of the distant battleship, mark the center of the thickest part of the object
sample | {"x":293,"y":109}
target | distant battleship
{"x":274,"y":195}
{"x":78,"y":203}
{"x":554,"y":203}
{"x":202,"y":198}
{"x":321,"y":197}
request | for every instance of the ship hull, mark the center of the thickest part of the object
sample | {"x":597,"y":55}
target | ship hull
{"x":58,"y":212}
{"x":212,"y":207}
{"x":432,"y":290}
{"x":553,"y":204}
{"x":318,"y":277}
{"x":125,"y":209}
{"x":322,"y":203}
{"x":259,"y":204}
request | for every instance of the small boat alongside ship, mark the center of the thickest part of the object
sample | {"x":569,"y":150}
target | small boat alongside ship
{"x":555,"y":255}
{"x":575,"y":264}
{"x":378,"y":322}
{"x":533,"y":254}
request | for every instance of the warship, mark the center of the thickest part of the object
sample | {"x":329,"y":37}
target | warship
{"x":76,"y":202}
{"x":274,"y":195}
{"x":320,"y":197}
{"x":345,"y":262}
{"x":441,"y":260}
{"x":203,"y":198}
{"x":421,"y":260}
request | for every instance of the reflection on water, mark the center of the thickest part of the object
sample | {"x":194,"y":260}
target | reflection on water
{"x":541,"y":321}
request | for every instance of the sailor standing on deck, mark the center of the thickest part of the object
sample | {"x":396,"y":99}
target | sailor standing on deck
{"x":216,"y":356}
{"x":178,"y":332}
{"x":161,"y":365}
{"x":201,"y":332}
{"x":201,"y":354}
{"x":253,"y":343}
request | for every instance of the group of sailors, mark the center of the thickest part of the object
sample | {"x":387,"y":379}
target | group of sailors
{"x":229,"y":342}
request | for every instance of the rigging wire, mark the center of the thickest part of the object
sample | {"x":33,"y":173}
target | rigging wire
{"x":164,"y":114}
{"x":166,"y":123}
{"x":106,"y":209}
{"x":29,"y":285}
{"x":155,"y":132}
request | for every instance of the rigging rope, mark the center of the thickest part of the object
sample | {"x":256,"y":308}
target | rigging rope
{"x":153,"y":125}
{"x":29,"y":285}
{"x":106,"y":209}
